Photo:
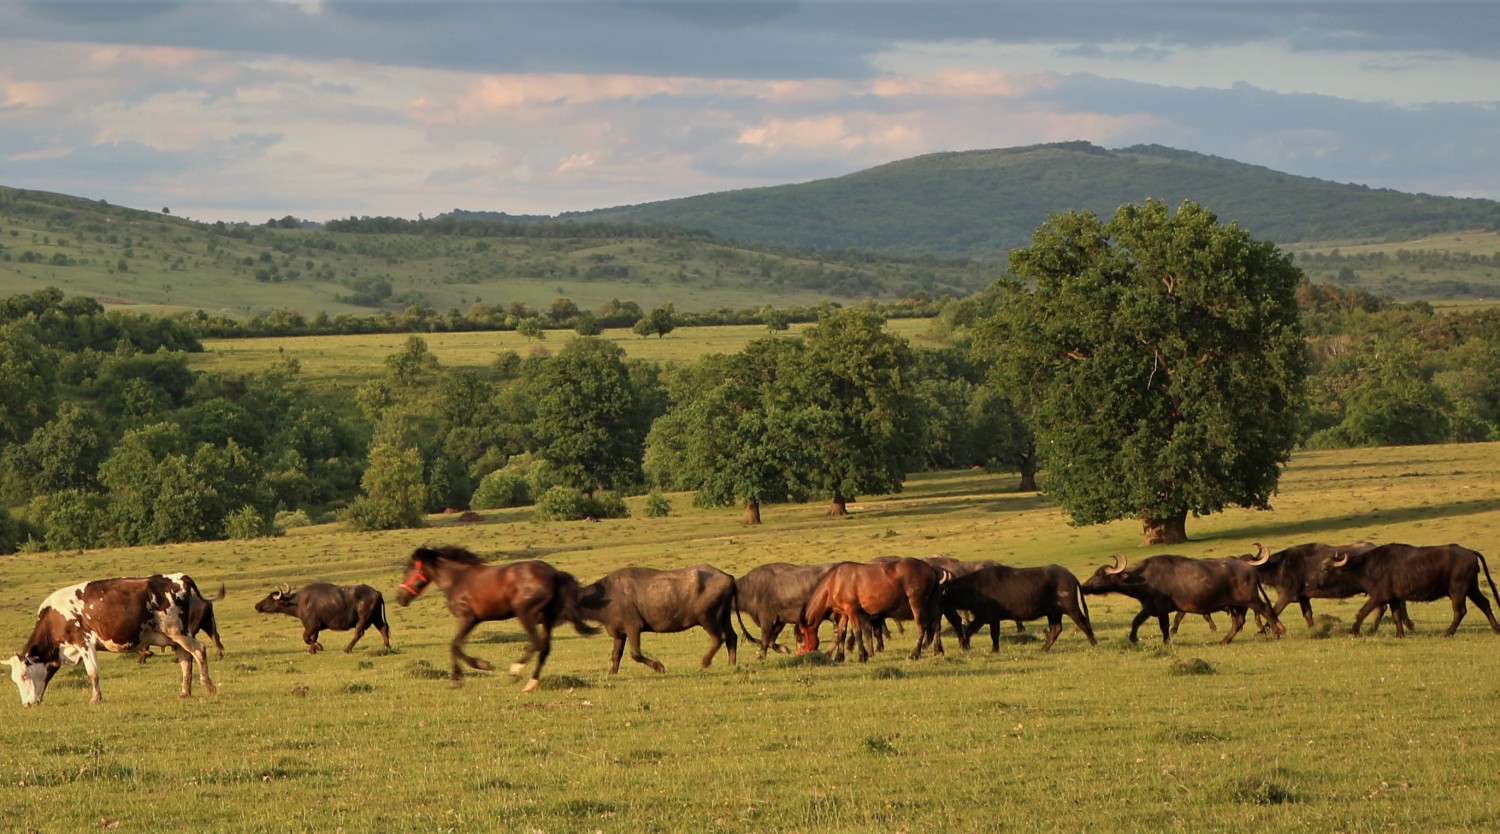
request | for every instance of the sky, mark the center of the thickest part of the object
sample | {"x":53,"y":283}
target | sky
{"x":245,"y":110}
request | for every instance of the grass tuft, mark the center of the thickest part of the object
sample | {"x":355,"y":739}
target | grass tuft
{"x":582,"y":808}
{"x":1252,"y":791}
{"x":887,"y":673}
{"x":1194,"y":666}
{"x":355,"y":687}
{"x":564,"y":682}
{"x":805,"y":659}
{"x":881,"y":745}
{"x":424,"y":670}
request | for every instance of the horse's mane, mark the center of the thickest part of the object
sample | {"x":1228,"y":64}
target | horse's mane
{"x":449,"y":552}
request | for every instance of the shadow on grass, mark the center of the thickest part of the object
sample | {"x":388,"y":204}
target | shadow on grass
{"x":1314,"y":526}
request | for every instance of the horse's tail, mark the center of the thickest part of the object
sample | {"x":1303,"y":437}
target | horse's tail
{"x":568,"y":592}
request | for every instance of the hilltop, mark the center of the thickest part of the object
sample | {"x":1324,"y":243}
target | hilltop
{"x":982,"y":204}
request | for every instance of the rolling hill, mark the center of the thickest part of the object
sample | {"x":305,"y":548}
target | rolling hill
{"x":982,"y":204}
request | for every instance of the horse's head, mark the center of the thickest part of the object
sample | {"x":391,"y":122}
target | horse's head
{"x":418,"y":576}
{"x":807,"y":638}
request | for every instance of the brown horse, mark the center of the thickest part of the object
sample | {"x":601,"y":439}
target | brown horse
{"x":854,"y":593}
{"x":537,"y":594}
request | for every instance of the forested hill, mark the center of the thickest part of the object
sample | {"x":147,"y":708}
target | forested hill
{"x":983,"y":203}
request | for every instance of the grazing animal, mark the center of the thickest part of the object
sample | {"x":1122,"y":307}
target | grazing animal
{"x":321,"y":605}
{"x":537,"y":594}
{"x":773,"y":595}
{"x":854,"y":593}
{"x":119,"y":614}
{"x":1296,"y":573}
{"x":201,"y":619}
{"x":1164,"y":584}
{"x":1394,"y":574}
{"x":634,"y":600}
{"x":998,"y":592}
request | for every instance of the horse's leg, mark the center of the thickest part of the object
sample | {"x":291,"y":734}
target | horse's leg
{"x":529,"y":620}
{"x":456,"y":650}
{"x":542,"y":637}
{"x":840,"y":631}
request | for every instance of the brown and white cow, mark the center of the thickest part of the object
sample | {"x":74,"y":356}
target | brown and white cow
{"x":119,"y":614}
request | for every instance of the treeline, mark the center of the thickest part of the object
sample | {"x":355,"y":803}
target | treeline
{"x":109,"y":438}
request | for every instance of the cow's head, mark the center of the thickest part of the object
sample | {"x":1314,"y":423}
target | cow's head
{"x":31,"y":677}
{"x":279,"y":601}
{"x":1112,"y":577}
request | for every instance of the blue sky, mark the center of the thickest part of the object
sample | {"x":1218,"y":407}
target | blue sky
{"x":250,"y":109}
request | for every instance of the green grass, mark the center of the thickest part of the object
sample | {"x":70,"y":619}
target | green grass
{"x":1301,"y":734}
{"x":360,"y":357}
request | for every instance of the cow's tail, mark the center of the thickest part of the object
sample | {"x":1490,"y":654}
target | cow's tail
{"x":568,"y":593}
{"x":1487,"y":576}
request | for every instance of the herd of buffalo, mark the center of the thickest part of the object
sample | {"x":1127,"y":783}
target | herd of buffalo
{"x":860,"y":598}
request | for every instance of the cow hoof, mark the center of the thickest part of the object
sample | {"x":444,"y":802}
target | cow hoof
{"x":483,"y":665}
{"x":456,"y":683}
{"x":531,"y":685}
{"x":516,"y":670}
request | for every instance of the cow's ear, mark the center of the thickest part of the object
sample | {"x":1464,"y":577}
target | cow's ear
{"x":13,"y":661}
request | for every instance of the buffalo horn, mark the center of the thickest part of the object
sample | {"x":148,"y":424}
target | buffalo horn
{"x":1340,"y":560}
{"x":1119,"y":566}
{"x":1262,"y":555}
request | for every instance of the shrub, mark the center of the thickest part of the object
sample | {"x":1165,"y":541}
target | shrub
{"x":657,"y":505}
{"x":288,"y":519}
{"x":246,"y":523}
{"x":501,"y":488}
{"x":606,"y":504}
{"x":560,"y":503}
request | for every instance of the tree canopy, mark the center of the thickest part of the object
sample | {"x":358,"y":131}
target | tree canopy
{"x":1164,"y":360}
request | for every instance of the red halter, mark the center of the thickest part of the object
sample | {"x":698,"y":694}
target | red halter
{"x":410,"y":585}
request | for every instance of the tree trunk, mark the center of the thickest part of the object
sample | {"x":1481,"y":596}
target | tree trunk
{"x":839,"y":506}
{"x":1169,"y":530}
{"x":1028,"y":474}
{"x":752,"y":512}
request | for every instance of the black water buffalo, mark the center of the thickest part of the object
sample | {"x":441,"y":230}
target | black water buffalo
{"x":1394,"y":574}
{"x":773,"y":596}
{"x":1296,"y":573}
{"x":632,"y":600}
{"x":998,"y":592}
{"x":322,"y":605}
{"x":1164,"y":584}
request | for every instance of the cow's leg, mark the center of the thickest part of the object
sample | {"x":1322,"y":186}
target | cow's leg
{"x":188,"y":651}
{"x":1135,"y":625}
{"x":456,"y":651}
{"x":617,"y":652}
{"x":1483,"y":604}
{"x":90,"y":659}
{"x":634,"y":637}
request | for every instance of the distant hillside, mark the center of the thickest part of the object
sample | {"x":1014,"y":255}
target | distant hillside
{"x":357,"y":267}
{"x":982,"y":204}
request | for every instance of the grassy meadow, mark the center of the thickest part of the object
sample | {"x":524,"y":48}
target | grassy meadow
{"x":335,"y":359}
{"x":1315,"y":732}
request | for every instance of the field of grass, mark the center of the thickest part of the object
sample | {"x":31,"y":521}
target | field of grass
{"x":1314,"y":732}
{"x":356,"y":358}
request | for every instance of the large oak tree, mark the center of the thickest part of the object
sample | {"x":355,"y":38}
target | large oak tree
{"x":1162,"y":359}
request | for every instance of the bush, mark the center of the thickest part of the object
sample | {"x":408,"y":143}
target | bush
{"x":246,"y":523}
{"x":657,"y":505}
{"x":499,"y":489}
{"x":288,"y":519}
{"x":561,"y":503}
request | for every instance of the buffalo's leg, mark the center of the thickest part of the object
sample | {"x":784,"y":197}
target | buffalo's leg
{"x":1081,"y":620}
{"x":1135,"y":625}
{"x":1177,"y":620}
{"x":633,"y":636}
{"x":359,"y":630}
{"x":1161,"y":620}
{"x":1364,"y":611}
{"x":617,"y":652}
{"x":1236,"y":622}
{"x":715,"y":640}
{"x":1483,"y":604}
{"x":1054,"y":628}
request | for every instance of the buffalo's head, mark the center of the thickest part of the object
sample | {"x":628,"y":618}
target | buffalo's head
{"x":1112,"y":577}
{"x":280,"y":601}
